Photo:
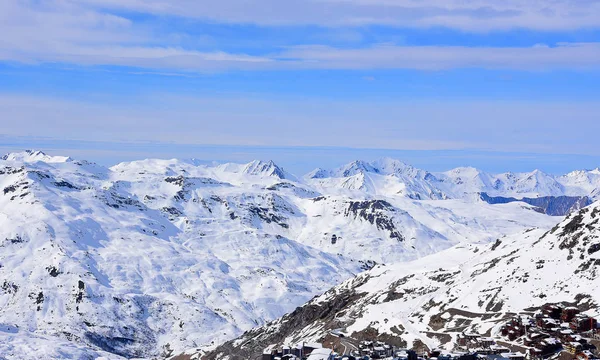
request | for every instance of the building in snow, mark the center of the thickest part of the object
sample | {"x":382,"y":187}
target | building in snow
{"x":583,"y":323}
{"x":321,"y":354}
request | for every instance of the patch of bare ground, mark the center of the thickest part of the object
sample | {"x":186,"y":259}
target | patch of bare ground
{"x":372,"y":334}
{"x":442,"y":337}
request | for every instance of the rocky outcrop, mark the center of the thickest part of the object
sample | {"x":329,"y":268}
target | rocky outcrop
{"x":376,"y":213}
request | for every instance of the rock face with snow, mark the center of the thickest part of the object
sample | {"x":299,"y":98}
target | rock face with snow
{"x":151,"y":257}
{"x":463,"y":289}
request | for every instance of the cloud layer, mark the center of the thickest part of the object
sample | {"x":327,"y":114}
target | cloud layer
{"x":94,"y":32}
{"x":563,"y":127}
{"x":473,"y":15}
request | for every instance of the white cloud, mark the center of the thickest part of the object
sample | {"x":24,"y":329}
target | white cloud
{"x":473,"y":15}
{"x":571,"y":56}
{"x":88,"y":32}
{"x":583,"y":56}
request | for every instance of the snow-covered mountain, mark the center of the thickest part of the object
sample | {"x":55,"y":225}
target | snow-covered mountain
{"x":465,"y":289}
{"x":393,"y":177}
{"x":155,"y":256}
{"x":83,"y":258}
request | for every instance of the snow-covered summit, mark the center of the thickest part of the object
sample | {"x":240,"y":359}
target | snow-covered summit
{"x":393,"y":177}
{"x":34,"y":156}
{"x":268,"y":168}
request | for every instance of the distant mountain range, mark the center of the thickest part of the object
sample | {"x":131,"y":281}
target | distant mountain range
{"x":153,"y":257}
{"x":393,"y":177}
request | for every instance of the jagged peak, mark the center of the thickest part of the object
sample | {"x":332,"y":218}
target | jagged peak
{"x":357,"y":166}
{"x":318,"y":173}
{"x":269,"y":168}
{"x":391,"y":166}
{"x":385,"y":165}
{"x":538,"y":172}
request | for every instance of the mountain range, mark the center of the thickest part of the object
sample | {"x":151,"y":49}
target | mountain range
{"x":154,"y":257}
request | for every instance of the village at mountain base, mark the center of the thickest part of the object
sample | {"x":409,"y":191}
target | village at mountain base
{"x":555,"y":332}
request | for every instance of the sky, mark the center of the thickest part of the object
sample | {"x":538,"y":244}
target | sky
{"x":501,"y":85}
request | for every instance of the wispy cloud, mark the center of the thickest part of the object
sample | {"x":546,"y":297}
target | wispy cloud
{"x":584,"y":56}
{"x":90,"y":32}
{"x":563,"y":56}
{"x":478,"y":15}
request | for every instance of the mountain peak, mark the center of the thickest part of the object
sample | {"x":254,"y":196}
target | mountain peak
{"x":354,"y":168}
{"x":317,"y":173}
{"x":268,"y":168}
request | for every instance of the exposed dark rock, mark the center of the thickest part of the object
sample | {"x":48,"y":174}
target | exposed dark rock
{"x":11,"y":170}
{"x":16,"y":240}
{"x":39,"y":299}
{"x":53,"y":271}
{"x":587,"y":265}
{"x":496,"y":244}
{"x":594,"y":248}
{"x":115,"y":200}
{"x":172,"y":211}
{"x":574,"y":225}
{"x":179,"y":180}
{"x":10,"y":287}
{"x":267,"y":216}
{"x":39,"y":174}
{"x":373,"y":211}
{"x":367,"y":264}
{"x":10,"y":189}
{"x":65,"y":184}
{"x":443,"y":276}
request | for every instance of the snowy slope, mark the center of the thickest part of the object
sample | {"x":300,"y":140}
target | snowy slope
{"x":83,"y":259}
{"x":463,"y":289}
{"x":152,"y":257}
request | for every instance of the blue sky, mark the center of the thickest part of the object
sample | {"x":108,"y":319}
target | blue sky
{"x":502,"y":85}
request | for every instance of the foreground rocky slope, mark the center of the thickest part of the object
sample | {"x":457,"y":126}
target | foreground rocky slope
{"x":463,"y":289}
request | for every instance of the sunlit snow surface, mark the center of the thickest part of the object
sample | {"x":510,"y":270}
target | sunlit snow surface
{"x":159,"y":255}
